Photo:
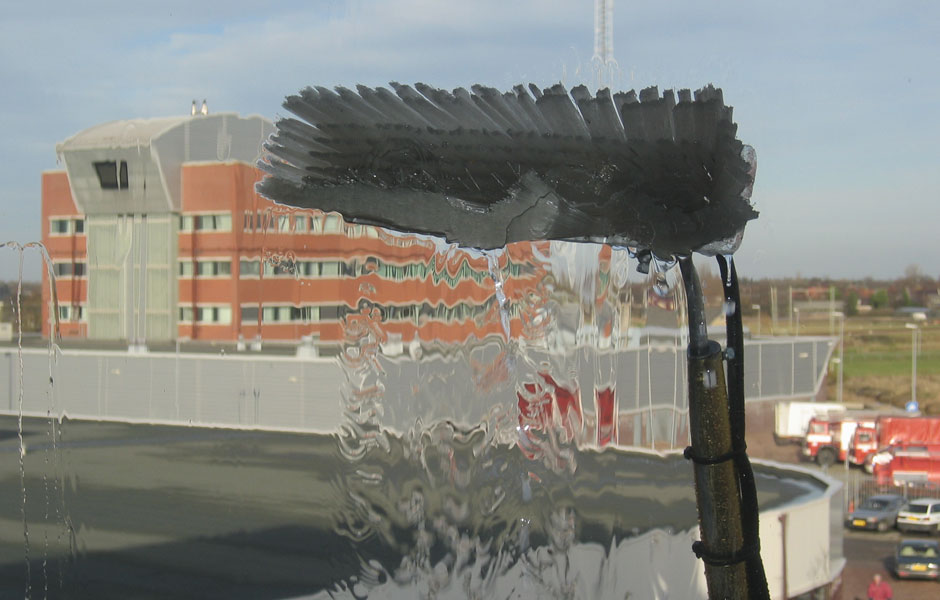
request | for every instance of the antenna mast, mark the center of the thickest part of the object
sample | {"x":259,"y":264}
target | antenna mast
{"x":603,"y":62}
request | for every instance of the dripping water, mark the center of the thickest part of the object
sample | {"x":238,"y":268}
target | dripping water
{"x":53,"y":492}
{"x":493,"y":258}
{"x":19,"y":421}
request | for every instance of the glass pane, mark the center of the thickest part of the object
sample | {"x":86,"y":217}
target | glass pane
{"x":379,"y":414}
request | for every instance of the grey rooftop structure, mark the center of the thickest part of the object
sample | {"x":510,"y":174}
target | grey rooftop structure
{"x":133,"y":166}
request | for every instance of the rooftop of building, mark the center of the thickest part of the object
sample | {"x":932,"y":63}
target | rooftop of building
{"x":128,"y":133}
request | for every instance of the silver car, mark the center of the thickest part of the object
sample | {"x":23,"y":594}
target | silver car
{"x":877,"y":512}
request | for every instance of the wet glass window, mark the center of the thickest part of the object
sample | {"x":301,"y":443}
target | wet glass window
{"x":352,"y":411}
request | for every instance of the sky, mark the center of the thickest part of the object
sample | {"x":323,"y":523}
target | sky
{"x":839,"y":98}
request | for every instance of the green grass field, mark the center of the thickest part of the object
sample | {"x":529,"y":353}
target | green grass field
{"x":859,"y":363}
{"x":878,"y":359}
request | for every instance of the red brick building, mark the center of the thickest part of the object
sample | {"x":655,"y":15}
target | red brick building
{"x":156,"y":233}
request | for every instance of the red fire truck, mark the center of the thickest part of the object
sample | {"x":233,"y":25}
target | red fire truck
{"x":907,"y":463}
{"x":827,"y":438}
{"x":892,"y":430}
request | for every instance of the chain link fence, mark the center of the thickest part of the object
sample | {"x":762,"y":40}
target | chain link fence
{"x":860,"y":485}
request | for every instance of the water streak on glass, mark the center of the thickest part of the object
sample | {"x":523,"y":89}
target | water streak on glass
{"x":488,"y":464}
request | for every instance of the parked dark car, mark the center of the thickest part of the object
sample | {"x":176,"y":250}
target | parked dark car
{"x":876,"y":512}
{"x":917,"y":559}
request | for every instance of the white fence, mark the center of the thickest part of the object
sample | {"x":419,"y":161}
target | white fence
{"x":303,"y":394}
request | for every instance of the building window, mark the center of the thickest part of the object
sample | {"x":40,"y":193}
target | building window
{"x":107,"y":174}
{"x":282,"y":268}
{"x":220,"y":222}
{"x":213,"y":222}
{"x":79,"y":225}
{"x":305,"y":314}
{"x":275,"y":314}
{"x":329,"y":269}
{"x":213,"y":268}
{"x":186,"y":268}
{"x":290,"y":314}
{"x":249,"y":222}
{"x":67,"y":269}
{"x":309,"y":268}
{"x":249,"y":268}
{"x":330,"y":313}
{"x":283,"y":223}
{"x":300,"y":223}
{"x":60,"y":226}
{"x":333,"y":224}
{"x":110,"y":175}
{"x":68,"y":312}
{"x":215,"y":315}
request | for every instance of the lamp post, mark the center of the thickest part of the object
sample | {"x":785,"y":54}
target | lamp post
{"x":841,"y":317}
{"x":760,"y":356}
{"x":796,"y":311}
{"x":915,"y":332}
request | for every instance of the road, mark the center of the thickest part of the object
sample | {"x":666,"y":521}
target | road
{"x":868,"y":553}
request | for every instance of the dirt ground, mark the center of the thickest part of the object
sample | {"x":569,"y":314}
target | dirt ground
{"x":893,"y":390}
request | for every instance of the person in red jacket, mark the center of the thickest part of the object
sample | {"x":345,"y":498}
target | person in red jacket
{"x":878,"y":589}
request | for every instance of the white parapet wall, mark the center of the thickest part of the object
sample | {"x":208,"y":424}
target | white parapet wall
{"x":803,"y":539}
{"x":303,"y":393}
{"x":289,"y":393}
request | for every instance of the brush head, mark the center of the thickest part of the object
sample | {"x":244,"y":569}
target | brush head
{"x":484,"y":168}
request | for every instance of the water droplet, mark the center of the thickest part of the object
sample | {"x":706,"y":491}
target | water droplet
{"x":710,"y":379}
{"x":730,"y":308}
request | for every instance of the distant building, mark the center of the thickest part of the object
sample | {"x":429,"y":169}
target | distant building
{"x":156,"y":234}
